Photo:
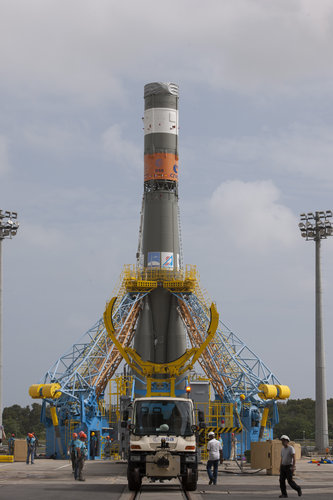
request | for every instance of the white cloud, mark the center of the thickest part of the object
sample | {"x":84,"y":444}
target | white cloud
{"x":4,"y":157}
{"x":250,"y":216}
{"x":51,"y":138}
{"x":119,"y":150}
{"x":42,"y":237}
{"x":86,"y":49}
{"x":297,"y":149}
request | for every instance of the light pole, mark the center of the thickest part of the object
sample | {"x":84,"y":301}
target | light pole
{"x":8,"y":229}
{"x":317,"y":226}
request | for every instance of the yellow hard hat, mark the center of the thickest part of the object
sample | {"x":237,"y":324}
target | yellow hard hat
{"x":93,"y":434}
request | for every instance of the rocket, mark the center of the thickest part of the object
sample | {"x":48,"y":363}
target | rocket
{"x":160,"y":333}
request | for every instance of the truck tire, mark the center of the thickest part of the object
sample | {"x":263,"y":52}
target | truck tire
{"x":134,"y":479}
{"x":190,"y":479}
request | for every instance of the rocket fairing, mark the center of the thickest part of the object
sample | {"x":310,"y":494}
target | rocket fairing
{"x":160,"y":334}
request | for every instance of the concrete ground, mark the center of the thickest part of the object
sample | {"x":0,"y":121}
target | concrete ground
{"x":53,"y":480}
{"x":316,"y":483}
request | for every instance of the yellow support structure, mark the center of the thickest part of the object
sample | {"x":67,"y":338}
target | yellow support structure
{"x":145,"y":279}
{"x":54,"y":416}
{"x":264,"y":417}
{"x":118,"y":386}
{"x":263,"y":422}
{"x":148,"y":369}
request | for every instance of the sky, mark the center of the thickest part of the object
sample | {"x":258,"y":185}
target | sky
{"x":256,"y":150}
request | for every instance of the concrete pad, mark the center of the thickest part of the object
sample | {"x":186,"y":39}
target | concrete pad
{"x":53,"y":479}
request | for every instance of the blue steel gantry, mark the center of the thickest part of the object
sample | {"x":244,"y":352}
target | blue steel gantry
{"x":75,"y":385}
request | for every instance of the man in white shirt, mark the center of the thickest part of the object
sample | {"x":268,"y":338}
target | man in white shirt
{"x":287,"y":467}
{"x":214,"y":456}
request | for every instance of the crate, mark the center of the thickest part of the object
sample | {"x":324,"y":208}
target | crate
{"x":267,"y":455}
{"x":20,"y":450}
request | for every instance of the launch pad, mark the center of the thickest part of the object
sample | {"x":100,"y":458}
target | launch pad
{"x":160,"y":333}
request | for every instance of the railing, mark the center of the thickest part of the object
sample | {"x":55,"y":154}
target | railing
{"x":147,"y":278}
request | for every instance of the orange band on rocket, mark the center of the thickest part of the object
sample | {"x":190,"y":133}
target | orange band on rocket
{"x":161,"y":166}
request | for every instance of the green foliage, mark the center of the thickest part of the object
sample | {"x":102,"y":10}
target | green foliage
{"x":297,"y":419}
{"x":20,"y":420}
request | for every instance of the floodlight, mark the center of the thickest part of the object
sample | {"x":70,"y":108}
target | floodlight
{"x":8,"y":229}
{"x":318,"y":229}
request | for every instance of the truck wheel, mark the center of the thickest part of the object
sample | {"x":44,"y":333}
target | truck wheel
{"x":134,"y":479}
{"x":190,"y":479}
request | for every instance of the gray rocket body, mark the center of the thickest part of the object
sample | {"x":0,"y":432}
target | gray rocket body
{"x":160,"y":334}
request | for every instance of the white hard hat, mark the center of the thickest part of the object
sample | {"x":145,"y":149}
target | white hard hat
{"x":284,"y":437}
{"x":211,"y":433}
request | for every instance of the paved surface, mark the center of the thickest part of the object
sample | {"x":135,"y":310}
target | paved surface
{"x":53,"y":480}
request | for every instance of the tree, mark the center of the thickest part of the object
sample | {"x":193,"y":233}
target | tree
{"x":20,"y":420}
{"x":297,"y":419}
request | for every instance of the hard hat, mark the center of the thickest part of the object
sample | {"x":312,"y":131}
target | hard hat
{"x":81,"y":433}
{"x":74,"y":435}
{"x":107,"y":437}
{"x":284,"y":437}
{"x":211,"y":433}
{"x":93,"y":434}
{"x":30,"y":435}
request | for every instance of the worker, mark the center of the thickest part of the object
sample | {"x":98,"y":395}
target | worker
{"x":107,"y":448}
{"x":287,"y":467}
{"x":36,"y":444}
{"x":214,"y":455}
{"x":221,"y":442}
{"x":233,"y":447}
{"x":11,"y":444}
{"x":79,"y":450}
{"x":71,"y":450}
{"x":93,"y":445}
{"x":85,"y":447}
{"x":30,"y":447}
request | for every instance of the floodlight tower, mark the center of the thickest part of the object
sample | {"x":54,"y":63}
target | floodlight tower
{"x":8,"y":229}
{"x":317,"y":226}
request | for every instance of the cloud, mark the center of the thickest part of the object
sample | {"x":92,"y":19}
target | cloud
{"x":119,"y":150}
{"x":264,"y":43}
{"x":250,"y":216}
{"x":86,"y":51}
{"x":4,"y":157}
{"x":42,"y":237}
{"x":299,"y":149}
{"x":50,"y":138}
